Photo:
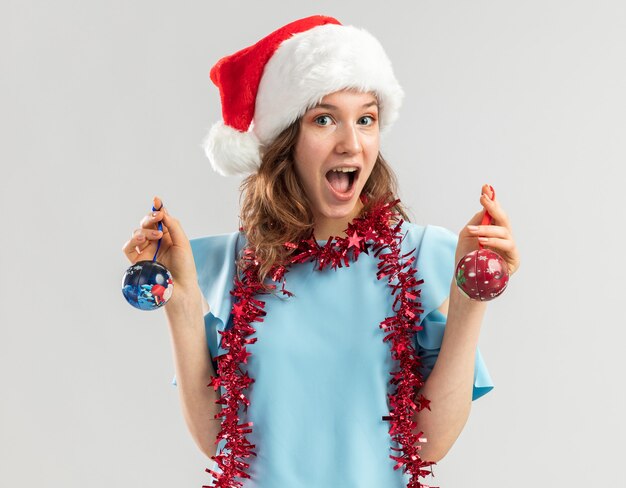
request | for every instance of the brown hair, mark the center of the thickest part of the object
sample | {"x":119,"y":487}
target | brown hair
{"x":275,"y":207}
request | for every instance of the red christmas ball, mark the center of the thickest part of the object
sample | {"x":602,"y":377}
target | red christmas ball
{"x":482,"y":275}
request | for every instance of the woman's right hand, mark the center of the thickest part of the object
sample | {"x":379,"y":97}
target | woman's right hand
{"x":175,"y":251}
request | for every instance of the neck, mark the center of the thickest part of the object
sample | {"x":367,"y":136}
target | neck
{"x":328,"y":227}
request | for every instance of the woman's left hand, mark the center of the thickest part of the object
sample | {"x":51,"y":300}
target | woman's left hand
{"x":497,"y":237}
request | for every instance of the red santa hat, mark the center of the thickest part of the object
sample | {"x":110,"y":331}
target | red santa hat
{"x":265,"y":87}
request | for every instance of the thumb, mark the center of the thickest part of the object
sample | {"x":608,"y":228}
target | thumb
{"x":179,"y":238}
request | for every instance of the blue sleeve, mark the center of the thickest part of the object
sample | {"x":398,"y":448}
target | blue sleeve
{"x":436,"y":248}
{"x":215,"y":259}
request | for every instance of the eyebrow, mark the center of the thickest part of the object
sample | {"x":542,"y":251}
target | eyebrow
{"x":328,"y":106}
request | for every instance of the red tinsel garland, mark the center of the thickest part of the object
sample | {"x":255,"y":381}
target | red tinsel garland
{"x":385,"y":238}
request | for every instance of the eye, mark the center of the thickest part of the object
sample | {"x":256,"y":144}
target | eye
{"x":322,"y":117}
{"x":365,"y":117}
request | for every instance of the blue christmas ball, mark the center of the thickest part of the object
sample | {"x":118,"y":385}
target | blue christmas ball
{"x":147,"y":285}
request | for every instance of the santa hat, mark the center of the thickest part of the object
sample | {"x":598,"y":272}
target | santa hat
{"x":265,"y":87}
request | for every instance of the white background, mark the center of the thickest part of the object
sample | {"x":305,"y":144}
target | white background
{"x":105,"y":103}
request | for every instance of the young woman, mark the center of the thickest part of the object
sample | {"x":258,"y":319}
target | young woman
{"x":336,"y":346}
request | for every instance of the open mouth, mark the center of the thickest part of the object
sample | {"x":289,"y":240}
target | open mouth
{"x":342,"y":179}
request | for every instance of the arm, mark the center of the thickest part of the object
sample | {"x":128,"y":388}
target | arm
{"x":449,"y":386}
{"x":185,"y":314}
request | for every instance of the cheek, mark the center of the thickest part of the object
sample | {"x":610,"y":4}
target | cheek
{"x":309,"y":149}
{"x":370,"y":170}
{"x":307,"y":179}
{"x":373,"y":149}
{"x":307,"y":157}
{"x":373,"y":144}
{"x":300,"y":168}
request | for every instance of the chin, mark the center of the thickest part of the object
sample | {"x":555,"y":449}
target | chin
{"x":340,"y":210}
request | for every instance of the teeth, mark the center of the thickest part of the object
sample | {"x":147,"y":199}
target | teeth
{"x":344,"y":170}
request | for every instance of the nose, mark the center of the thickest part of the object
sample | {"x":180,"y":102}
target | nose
{"x":348,"y":140}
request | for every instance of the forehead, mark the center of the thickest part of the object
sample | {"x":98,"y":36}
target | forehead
{"x":348,"y":97}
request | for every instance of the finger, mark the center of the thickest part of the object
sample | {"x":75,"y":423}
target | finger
{"x":151,"y":220}
{"x":498,"y":215}
{"x":135,"y":246}
{"x":142,"y":238}
{"x":174,"y":228}
{"x":157,"y":203}
{"x":489,"y":191}
{"x":497,"y":243}
{"x":489,"y":231}
{"x":149,"y":234}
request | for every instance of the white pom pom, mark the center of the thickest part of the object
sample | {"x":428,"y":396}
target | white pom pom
{"x":232,"y":152}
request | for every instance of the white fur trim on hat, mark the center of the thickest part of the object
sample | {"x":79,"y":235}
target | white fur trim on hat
{"x":317,"y":62}
{"x":232,"y":152}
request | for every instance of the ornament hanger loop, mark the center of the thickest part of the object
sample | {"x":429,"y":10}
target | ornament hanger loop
{"x":160,"y":227}
{"x":487,"y":216}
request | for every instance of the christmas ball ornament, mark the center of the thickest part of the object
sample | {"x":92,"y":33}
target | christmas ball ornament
{"x":148,"y":285}
{"x":482,"y":274}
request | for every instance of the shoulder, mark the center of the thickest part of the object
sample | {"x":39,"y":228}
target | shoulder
{"x":434,"y":247}
{"x":420,"y":237}
{"x":217,"y":241}
{"x":216,"y":254}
